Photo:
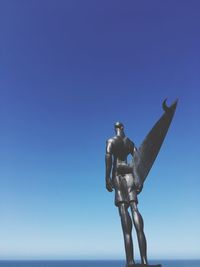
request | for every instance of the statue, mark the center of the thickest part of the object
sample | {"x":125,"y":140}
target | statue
{"x":128,"y":178}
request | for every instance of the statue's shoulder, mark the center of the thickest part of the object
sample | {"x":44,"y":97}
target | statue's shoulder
{"x":130,"y":142}
{"x":113,"y":140}
{"x":110,"y":140}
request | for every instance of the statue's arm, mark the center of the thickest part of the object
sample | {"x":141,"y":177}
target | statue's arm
{"x":133,"y":149}
{"x":108,"y":161}
{"x":138,"y":185}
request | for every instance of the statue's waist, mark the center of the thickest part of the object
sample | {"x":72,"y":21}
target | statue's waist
{"x":123,"y":168}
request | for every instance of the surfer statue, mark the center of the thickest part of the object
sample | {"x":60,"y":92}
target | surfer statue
{"x":127,"y":179}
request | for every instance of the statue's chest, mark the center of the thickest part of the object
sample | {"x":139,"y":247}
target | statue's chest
{"x":121,"y":147}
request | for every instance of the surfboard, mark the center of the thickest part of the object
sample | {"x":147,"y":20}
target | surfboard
{"x":145,"y":156}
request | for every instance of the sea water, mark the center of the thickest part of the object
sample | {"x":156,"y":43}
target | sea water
{"x":91,"y":263}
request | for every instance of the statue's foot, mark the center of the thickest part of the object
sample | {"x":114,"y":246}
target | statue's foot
{"x":144,"y":265}
{"x":131,"y":264}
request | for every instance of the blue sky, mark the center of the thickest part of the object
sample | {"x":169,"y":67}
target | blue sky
{"x":69,"y":70}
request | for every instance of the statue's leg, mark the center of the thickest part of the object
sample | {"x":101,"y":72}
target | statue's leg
{"x":127,"y":230}
{"x":139,"y":226}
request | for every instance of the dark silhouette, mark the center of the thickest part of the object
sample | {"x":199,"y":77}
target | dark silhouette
{"x":127,"y":178}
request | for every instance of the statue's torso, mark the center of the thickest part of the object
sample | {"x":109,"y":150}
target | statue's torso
{"x":121,"y":148}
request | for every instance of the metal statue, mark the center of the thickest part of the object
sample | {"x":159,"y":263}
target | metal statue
{"x":127,"y":179}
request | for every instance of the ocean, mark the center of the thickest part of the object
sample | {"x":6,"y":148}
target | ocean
{"x":92,"y":263}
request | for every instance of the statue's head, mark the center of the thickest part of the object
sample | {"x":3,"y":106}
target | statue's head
{"x":119,"y":127}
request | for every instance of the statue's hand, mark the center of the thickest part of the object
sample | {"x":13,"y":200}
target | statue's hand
{"x":109,"y":185}
{"x":139,"y":188}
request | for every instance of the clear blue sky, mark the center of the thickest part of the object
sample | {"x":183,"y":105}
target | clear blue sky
{"x":68,"y":71}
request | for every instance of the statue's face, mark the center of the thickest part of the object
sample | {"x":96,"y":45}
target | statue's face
{"x":117,"y":129}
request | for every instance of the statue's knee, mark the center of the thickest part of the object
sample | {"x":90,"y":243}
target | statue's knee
{"x":137,"y":218}
{"x":125,"y":218}
{"x":121,"y":210}
{"x":133,"y":205}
